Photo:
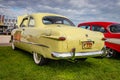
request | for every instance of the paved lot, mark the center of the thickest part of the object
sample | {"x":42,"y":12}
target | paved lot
{"x":4,"y":40}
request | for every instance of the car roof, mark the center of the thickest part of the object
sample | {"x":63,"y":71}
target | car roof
{"x":104,"y":24}
{"x":46,"y":14}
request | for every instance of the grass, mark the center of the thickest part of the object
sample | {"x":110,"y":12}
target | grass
{"x":19,"y":65}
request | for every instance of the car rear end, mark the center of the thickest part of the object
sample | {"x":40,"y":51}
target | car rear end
{"x":79,"y":43}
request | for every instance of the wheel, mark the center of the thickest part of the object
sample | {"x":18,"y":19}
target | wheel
{"x":12,"y":43}
{"x":39,"y":59}
{"x":13,"y":46}
{"x":110,"y":52}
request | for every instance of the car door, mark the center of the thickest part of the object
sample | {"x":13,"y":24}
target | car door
{"x":23,"y":44}
{"x":114,"y":31}
{"x":18,"y":34}
{"x":29,"y":33}
{"x":113,"y":37}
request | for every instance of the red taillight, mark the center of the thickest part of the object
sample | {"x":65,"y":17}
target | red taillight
{"x":62,"y":38}
{"x":103,"y":39}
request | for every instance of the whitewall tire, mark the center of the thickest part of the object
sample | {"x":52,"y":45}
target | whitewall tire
{"x":13,"y":45}
{"x":39,"y":59}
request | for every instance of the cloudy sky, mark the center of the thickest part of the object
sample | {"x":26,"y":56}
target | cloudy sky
{"x":77,"y":10}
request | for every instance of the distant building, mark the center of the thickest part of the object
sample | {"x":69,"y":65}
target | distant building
{"x":1,"y":20}
{"x":10,"y":22}
{"x":7,"y":23}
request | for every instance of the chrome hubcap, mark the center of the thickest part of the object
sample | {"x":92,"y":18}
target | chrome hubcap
{"x":110,"y":52}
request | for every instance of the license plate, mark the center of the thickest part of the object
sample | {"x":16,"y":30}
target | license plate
{"x":87,"y":44}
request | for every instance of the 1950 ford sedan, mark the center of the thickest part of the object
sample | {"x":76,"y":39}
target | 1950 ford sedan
{"x":55,"y":37}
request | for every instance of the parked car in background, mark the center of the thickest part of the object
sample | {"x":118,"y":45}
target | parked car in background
{"x":55,"y":37}
{"x":111,"y":31}
{"x":3,"y":29}
{"x":7,"y":31}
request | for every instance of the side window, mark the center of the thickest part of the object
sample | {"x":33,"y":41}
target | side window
{"x":31,"y":22}
{"x":98,"y":28}
{"x":24,"y":22}
{"x":115,"y":28}
{"x":85,"y":27}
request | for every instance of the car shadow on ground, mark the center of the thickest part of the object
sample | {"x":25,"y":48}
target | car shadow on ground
{"x":67,"y":64}
{"x":61,"y":62}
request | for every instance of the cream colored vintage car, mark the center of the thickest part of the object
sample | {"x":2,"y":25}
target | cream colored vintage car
{"x":52,"y":36}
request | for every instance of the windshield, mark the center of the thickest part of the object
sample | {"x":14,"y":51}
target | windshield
{"x":57,"y":20}
{"x":115,"y":28}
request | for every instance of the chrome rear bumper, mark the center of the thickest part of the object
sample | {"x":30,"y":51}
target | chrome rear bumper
{"x":79,"y":54}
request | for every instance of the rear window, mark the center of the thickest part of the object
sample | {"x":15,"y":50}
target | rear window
{"x":57,"y":20}
{"x":115,"y":28}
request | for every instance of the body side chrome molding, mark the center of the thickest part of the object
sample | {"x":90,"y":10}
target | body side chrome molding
{"x":113,"y":40}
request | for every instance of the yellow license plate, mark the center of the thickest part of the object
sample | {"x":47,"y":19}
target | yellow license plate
{"x":87,"y":44}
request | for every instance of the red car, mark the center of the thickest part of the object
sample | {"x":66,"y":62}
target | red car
{"x":111,"y":32}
